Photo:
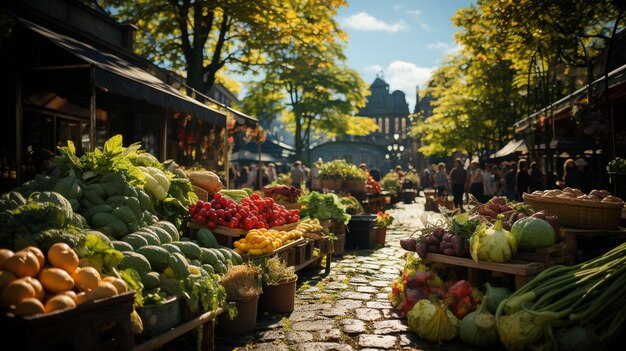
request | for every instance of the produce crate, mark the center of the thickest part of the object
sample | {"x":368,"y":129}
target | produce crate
{"x":300,"y":253}
{"x":549,"y":255}
{"x":160,"y":318}
{"x":80,"y":328}
{"x":522,"y":271}
{"x":308,"y":253}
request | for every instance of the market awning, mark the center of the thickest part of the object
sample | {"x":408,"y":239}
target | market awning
{"x":119,"y":75}
{"x":512,"y":147}
{"x":245,"y":155}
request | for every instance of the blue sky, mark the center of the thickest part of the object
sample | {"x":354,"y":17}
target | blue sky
{"x":405,"y":39}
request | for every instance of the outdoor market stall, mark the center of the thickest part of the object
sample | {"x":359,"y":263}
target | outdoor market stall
{"x":534,"y":243}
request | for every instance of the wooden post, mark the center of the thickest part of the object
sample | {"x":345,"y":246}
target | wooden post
{"x":19,"y":120}
{"x":259,"y":171}
{"x":166,"y":120}
{"x":92,"y":108}
{"x":226,"y":157}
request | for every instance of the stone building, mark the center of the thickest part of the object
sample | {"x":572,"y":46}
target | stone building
{"x":385,"y":148}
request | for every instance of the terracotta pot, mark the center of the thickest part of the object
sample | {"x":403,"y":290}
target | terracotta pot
{"x":381,"y":235}
{"x":278,"y":298}
{"x":244,"y":322}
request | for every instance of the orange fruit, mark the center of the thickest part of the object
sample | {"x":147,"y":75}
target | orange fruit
{"x":29,"y":307}
{"x":70,"y":293}
{"x":120,"y":284}
{"x":23,"y":264}
{"x":4,"y":255}
{"x":86,"y":278}
{"x":59,"y":302}
{"x":56,"y":280}
{"x":35,"y":250}
{"x":36,"y":284}
{"x":60,"y":255}
{"x":6,"y":278}
{"x":17,"y":291}
{"x":103,"y":290}
{"x":81,"y":298}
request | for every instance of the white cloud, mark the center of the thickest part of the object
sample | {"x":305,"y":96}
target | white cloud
{"x":398,"y":7}
{"x":365,"y":22}
{"x":426,"y":27}
{"x":374,"y":68}
{"x":444,"y":47}
{"x":405,"y":76}
{"x":417,"y":15}
{"x":414,"y":13}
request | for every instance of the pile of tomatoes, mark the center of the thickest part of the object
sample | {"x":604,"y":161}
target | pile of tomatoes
{"x":254,"y":212}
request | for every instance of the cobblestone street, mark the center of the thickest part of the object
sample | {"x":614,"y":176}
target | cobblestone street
{"x":348,"y":309}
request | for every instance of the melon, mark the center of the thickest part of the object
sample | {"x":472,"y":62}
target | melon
{"x":533,"y":233}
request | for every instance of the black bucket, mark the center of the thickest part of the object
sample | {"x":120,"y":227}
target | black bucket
{"x":361,"y":232}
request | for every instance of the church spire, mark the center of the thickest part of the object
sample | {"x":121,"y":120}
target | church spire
{"x":417,"y":99}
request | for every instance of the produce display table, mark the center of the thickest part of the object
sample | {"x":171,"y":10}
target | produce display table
{"x":298,"y":254}
{"x":202,"y":320}
{"x":521,"y":270}
{"x":571,"y":235}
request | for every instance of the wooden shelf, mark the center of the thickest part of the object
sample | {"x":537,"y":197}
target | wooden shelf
{"x":512,"y":267}
{"x":184,"y":328}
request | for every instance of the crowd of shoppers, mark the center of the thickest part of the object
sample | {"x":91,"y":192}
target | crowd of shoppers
{"x":509,"y":179}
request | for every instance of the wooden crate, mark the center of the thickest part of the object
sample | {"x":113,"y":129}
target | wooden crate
{"x":80,"y":328}
{"x":300,"y":253}
{"x":550,"y":256}
{"x":522,"y":271}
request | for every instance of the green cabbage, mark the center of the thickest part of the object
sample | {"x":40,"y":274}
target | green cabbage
{"x":323,"y":206}
{"x":492,"y":245}
{"x":479,"y":327}
{"x":433,"y":321}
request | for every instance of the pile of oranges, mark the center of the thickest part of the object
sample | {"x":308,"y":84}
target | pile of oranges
{"x":30,"y":284}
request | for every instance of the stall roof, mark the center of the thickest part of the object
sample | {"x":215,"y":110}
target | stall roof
{"x":121,"y":76}
{"x":512,"y":147}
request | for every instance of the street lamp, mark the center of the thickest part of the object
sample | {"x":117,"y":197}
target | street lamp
{"x":396,"y":136}
{"x":389,"y":147}
{"x":401,"y":148}
{"x":395,"y":147}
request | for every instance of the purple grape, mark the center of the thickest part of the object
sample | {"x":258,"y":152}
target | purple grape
{"x":408,"y":244}
{"x":438,"y":233}
{"x":449,"y":252}
{"x":422,"y":250}
{"x":447,"y":237}
{"x":457,"y":245}
{"x":433,"y":240}
{"x":433,"y":248}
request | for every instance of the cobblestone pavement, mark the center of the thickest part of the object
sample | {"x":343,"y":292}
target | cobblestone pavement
{"x":348,"y":309}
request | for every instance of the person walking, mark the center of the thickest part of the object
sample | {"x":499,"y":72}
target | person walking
{"x":458,"y":177}
{"x":509,"y":181}
{"x":297,"y":175}
{"x":252,"y":176}
{"x":489,"y":182}
{"x":475,"y":181}
{"x":271,"y":172}
{"x":522,"y":179}
{"x":315,"y":170}
{"x":442,"y":180}
{"x":536,"y":177}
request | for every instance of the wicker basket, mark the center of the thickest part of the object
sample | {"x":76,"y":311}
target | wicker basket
{"x":202,"y":194}
{"x":577,"y":213}
{"x":332,"y":184}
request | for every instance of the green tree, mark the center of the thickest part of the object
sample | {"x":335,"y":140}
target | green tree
{"x":198,"y":38}
{"x":322,"y":92}
{"x":509,"y":47}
